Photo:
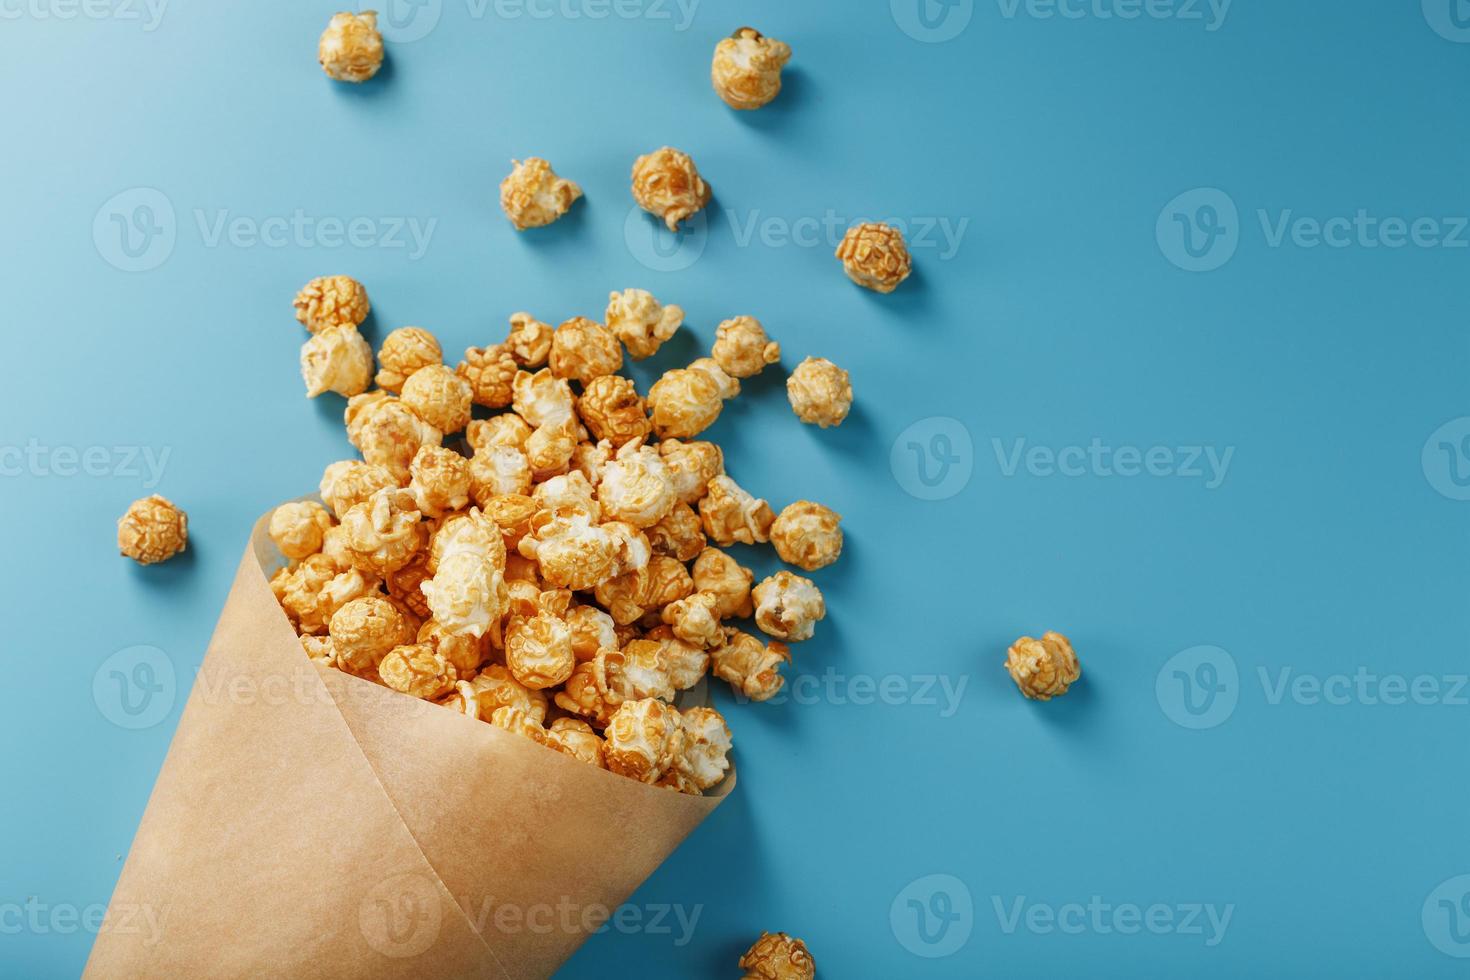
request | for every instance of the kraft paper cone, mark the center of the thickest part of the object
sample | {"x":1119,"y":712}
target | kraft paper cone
{"x":307,"y":823}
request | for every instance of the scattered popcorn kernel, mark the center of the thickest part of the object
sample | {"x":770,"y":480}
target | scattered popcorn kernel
{"x":365,"y":629}
{"x":152,"y":530}
{"x":336,"y":359}
{"x":692,"y":465}
{"x":491,"y":372}
{"x":641,"y":322}
{"x":727,"y":580}
{"x":517,"y":722}
{"x":549,"y":449}
{"x":383,"y":532}
{"x":696,"y":620}
{"x":685,"y":663}
{"x":751,"y":668}
{"x":807,"y":535}
{"x":439,"y":396}
{"x":747,"y":68}
{"x":472,"y":532}
{"x":331,"y":301}
{"x":387,"y":432}
{"x":667,"y":185}
{"x":538,"y":651}
{"x":494,"y":687}
{"x":777,"y":956}
{"x":534,"y":196}
{"x":351,"y":49}
{"x":404,"y":351}
{"x":464,"y":652}
{"x":820,"y":392}
{"x":788,"y":606}
{"x":572,"y":551}
{"x":298,"y":528}
{"x":636,"y":486}
{"x":506,"y":429}
{"x":529,"y":340}
{"x":875,"y":256}
{"x":583,"y":349}
{"x":612,"y":409}
{"x":742,"y":348}
{"x":349,"y":482}
{"x":440,"y":480}
{"x":686,"y":401}
{"x":679,"y":534}
{"x":467,"y":593}
{"x":642,"y":738}
{"x":419,"y":670}
{"x":592,"y":630}
{"x":702,"y":759}
{"x":576,"y":738}
{"x":498,"y":471}
{"x":1044,"y":668}
{"x":543,"y":398}
{"x":512,"y":513}
{"x":730,"y":514}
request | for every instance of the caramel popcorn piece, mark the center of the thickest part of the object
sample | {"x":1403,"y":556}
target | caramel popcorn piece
{"x":1044,"y":668}
{"x":349,"y":482}
{"x":491,"y":373}
{"x":494,"y":688}
{"x":331,"y":301}
{"x":679,"y":534}
{"x":747,"y":68}
{"x":788,"y":606}
{"x":319,"y":650}
{"x":686,"y":401}
{"x":742,"y":348}
{"x":506,"y":429}
{"x":497,"y":472}
{"x":439,"y":396}
{"x":313,"y":589}
{"x":612,"y":409}
{"x":807,"y":535}
{"x":463,"y":651}
{"x":351,"y":49}
{"x":642,"y":739}
{"x":641,"y":322}
{"x":336,"y":359}
{"x":152,"y":530}
{"x":574,"y":737}
{"x":572,"y":551}
{"x":685,"y":662}
{"x":568,"y":492}
{"x":418,"y":670}
{"x":403,"y":585}
{"x":731,"y":514}
{"x":534,"y":196}
{"x":592,"y":629}
{"x":820,"y":392}
{"x":404,"y":351}
{"x":727,"y":580}
{"x":696,"y":620}
{"x":636,"y":486}
{"x":517,"y":722}
{"x":529,"y":340}
{"x":777,"y":956}
{"x":692,"y":465}
{"x":387,"y":432}
{"x":383,"y":532}
{"x":582,"y":695}
{"x":472,"y":532}
{"x":439,"y":480}
{"x":667,"y":185}
{"x":364,"y":630}
{"x":538,"y":650}
{"x":467,"y":593}
{"x":748,"y":666}
{"x":550,"y":448}
{"x":640,"y":670}
{"x":583,"y":349}
{"x":703,"y":756}
{"x":874,"y":255}
{"x":512,"y":513}
{"x":299,"y":528}
{"x":542,"y":398}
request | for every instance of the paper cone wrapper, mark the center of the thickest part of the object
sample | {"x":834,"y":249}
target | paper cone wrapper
{"x":307,"y":823}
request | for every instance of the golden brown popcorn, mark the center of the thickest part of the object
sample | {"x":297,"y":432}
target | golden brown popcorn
{"x":1044,"y":668}
{"x":313,"y":589}
{"x":639,"y":670}
{"x":439,"y":396}
{"x":642,"y":739}
{"x":679,"y":534}
{"x":331,"y":301}
{"x":542,"y":398}
{"x":472,"y":531}
{"x":641,"y":322}
{"x":631,"y":550}
{"x":152,"y":530}
{"x":549,"y":449}
{"x":685,"y":662}
{"x":534,"y":196}
{"x":702,"y":759}
{"x":692,"y":465}
{"x":574,"y":737}
{"x":696,"y":620}
{"x":591,"y":458}
{"x":419,"y":670}
{"x":570,"y":491}
{"x":336,"y":359}
{"x":667,"y":185}
{"x":467,"y":593}
{"x":495,"y":687}
{"x":498,"y":471}
{"x":660,"y":581}
{"x":777,"y":956}
{"x":506,"y":429}
{"x":461,"y":700}
{"x":298,"y":528}
{"x":335,"y":548}
{"x":751,"y":668}
{"x":742,"y":348}
{"x":583,"y":349}
{"x":746,"y":71}
{"x":351,"y":49}
{"x":592,"y":630}
{"x":636,"y":486}
{"x":731,"y":514}
{"x":581,"y":694}
{"x":387,"y":432}
{"x":512,"y":513}
{"x":529,"y":340}
{"x":874,"y":255}
{"x":404,"y":351}
{"x":788,"y":606}
{"x":319,"y":650}
{"x":612,"y":409}
{"x":365,"y":629}
{"x":820,"y":392}
{"x":440,"y":480}
{"x":517,"y":722}
{"x":538,"y":650}
{"x":807,"y":535}
{"x":383,"y":532}
{"x":686,"y":401}
{"x":727,"y":580}
{"x":571,"y":550}
{"x":491,"y":372}
{"x":349,"y":482}
{"x":403,"y":584}
{"x":464,"y":652}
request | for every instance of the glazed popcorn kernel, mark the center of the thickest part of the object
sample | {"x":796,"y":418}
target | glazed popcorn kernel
{"x":642,"y":737}
{"x":549,"y":449}
{"x":349,"y":482}
{"x":592,"y":630}
{"x":464,"y":652}
{"x":727,"y":580}
{"x":403,"y":585}
{"x":439,"y":396}
{"x":679,"y":534}
{"x":874,"y":255}
{"x":497,"y":472}
{"x":331,"y":301}
{"x":820,"y":392}
{"x":750,"y":667}
{"x":777,"y":956}
{"x":742,"y":348}
{"x":730,"y":514}
{"x":505,"y":429}
{"x":572,"y":551}
{"x":1044,"y":668}
{"x":581,"y":695}
{"x":566,"y":493}
{"x":575,"y":738}
{"x":542,"y":398}
{"x":667,"y":185}
{"x":404,"y":351}
{"x":419,"y":670}
{"x":494,"y":688}
{"x":387,"y":432}
{"x":534,"y":196}
{"x":467,"y":593}
{"x":313,"y":589}
{"x":517,"y":722}
{"x":512,"y":513}
{"x":590,"y":459}
{"x":807,"y":535}
{"x":636,"y":486}
{"x":319,"y":650}
{"x":696,"y":620}
{"x":703,"y":756}
{"x":336,"y":359}
{"x":365,"y":629}
{"x":788,"y":606}
{"x":692,"y":465}
{"x":612,"y":409}
{"x":747,"y":68}
{"x":383,"y":532}
{"x":298,"y":529}
{"x":686,"y":401}
{"x":529,"y":340}
{"x":583,"y":349}
{"x":538,"y":650}
{"x":440,"y":480}
{"x":152,"y":530}
{"x":686,"y":664}
{"x":351,"y":49}
{"x":491,"y":372}
{"x":641,"y":322}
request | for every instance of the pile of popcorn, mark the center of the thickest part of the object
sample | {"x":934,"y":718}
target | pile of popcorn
{"x":562,"y":577}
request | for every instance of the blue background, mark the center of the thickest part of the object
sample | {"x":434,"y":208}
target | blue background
{"x":1060,"y":319}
